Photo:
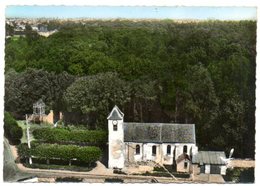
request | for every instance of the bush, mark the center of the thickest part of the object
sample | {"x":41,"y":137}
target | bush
{"x":40,"y":165}
{"x":61,"y":135}
{"x":23,"y":150}
{"x":157,"y":174}
{"x":117,"y":171}
{"x":66,"y":152}
{"x":114,"y":180}
{"x":11,"y":129}
{"x":68,"y":179}
{"x":161,"y":169}
{"x":181,"y":175}
{"x":240,"y":175}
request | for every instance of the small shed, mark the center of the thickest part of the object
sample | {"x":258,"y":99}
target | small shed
{"x":210,"y":162}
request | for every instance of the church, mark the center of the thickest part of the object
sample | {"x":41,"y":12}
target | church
{"x":164,"y":143}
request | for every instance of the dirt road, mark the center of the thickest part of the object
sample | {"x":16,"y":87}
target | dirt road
{"x":241,"y":163}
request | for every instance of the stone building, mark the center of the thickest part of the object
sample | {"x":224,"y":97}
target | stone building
{"x":164,"y":143}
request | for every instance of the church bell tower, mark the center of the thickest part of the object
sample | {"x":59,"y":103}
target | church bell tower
{"x":116,"y":138}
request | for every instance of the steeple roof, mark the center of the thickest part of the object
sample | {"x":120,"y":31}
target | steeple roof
{"x":115,"y":114}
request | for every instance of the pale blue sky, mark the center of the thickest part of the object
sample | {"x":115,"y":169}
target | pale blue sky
{"x":174,"y":12}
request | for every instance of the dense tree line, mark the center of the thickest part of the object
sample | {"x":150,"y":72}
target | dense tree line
{"x":156,"y":71}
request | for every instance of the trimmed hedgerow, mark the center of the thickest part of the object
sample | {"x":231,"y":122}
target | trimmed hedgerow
{"x":11,"y":129}
{"x":23,"y":150}
{"x":66,"y":152}
{"x":58,"y":167}
{"x":61,"y":135}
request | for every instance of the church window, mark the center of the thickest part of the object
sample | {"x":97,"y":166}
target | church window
{"x":114,"y":125}
{"x":137,"y":149}
{"x":185,"y":165}
{"x":154,"y":150}
{"x":168,"y":149}
{"x":185,"y":149}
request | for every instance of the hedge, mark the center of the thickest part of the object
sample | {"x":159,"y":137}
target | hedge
{"x":87,"y":154}
{"x":61,"y":135}
{"x":11,"y":129}
{"x":58,"y":167}
{"x":23,"y":150}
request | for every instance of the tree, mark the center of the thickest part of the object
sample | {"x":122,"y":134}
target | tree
{"x":96,"y":95}
{"x":143,"y":95}
{"x":24,"y":89}
{"x":11,"y":129}
{"x":9,"y":30}
{"x":200,"y":104}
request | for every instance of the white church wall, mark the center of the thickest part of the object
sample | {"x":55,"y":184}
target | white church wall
{"x":161,"y":152}
{"x":116,"y":145}
{"x":190,"y":148}
{"x":138,"y":157}
{"x":148,"y":152}
{"x":167,"y":158}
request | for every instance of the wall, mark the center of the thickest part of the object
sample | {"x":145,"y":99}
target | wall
{"x":49,"y":118}
{"x":181,"y":168}
{"x":207,"y":169}
{"x":145,"y":152}
{"x":196,"y":169}
{"x":130,"y":152}
{"x":168,"y":158}
{"x":161,"y":153}
{"x":223,"y":169}
{"x":116,"y":145}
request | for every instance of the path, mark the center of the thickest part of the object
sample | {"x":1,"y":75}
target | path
{"x":241,"y":163}
{"x":11,"y":172}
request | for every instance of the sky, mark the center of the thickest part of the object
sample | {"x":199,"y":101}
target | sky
{"x":134,"y":12}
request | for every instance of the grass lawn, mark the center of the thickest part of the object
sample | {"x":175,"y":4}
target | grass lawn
{"x":33,"y":126}
{"x":23,"y":126}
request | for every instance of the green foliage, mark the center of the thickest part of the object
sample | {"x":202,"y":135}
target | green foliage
{"x":159,"y":174}
{"x":68,"y":179}
{"x":23,"y":150}
{"x":197,"y":72}
{"x":66,"y":152}
{"x":160,"y":169}
{"x":61,"y":135}
{"x":35,"y":165}
{"x":11,"y":129}
{"x":48,"y":86}
{"x":240,"y":175}
{"x":114,"y":180}
{"x":97,"y":94}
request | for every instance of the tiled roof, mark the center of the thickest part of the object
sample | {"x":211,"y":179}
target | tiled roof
{"x":159,"y":132}
{"x":209,"y":157}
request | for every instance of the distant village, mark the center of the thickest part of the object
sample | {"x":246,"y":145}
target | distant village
{"x":18,"y":26}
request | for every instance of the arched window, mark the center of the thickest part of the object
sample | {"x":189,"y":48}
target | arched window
{"x":114,"y":125}
{"x":168,"y":149}
{"x":185,"y":149}
{"x":154,"y":150}
{"x":137,"y":149}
